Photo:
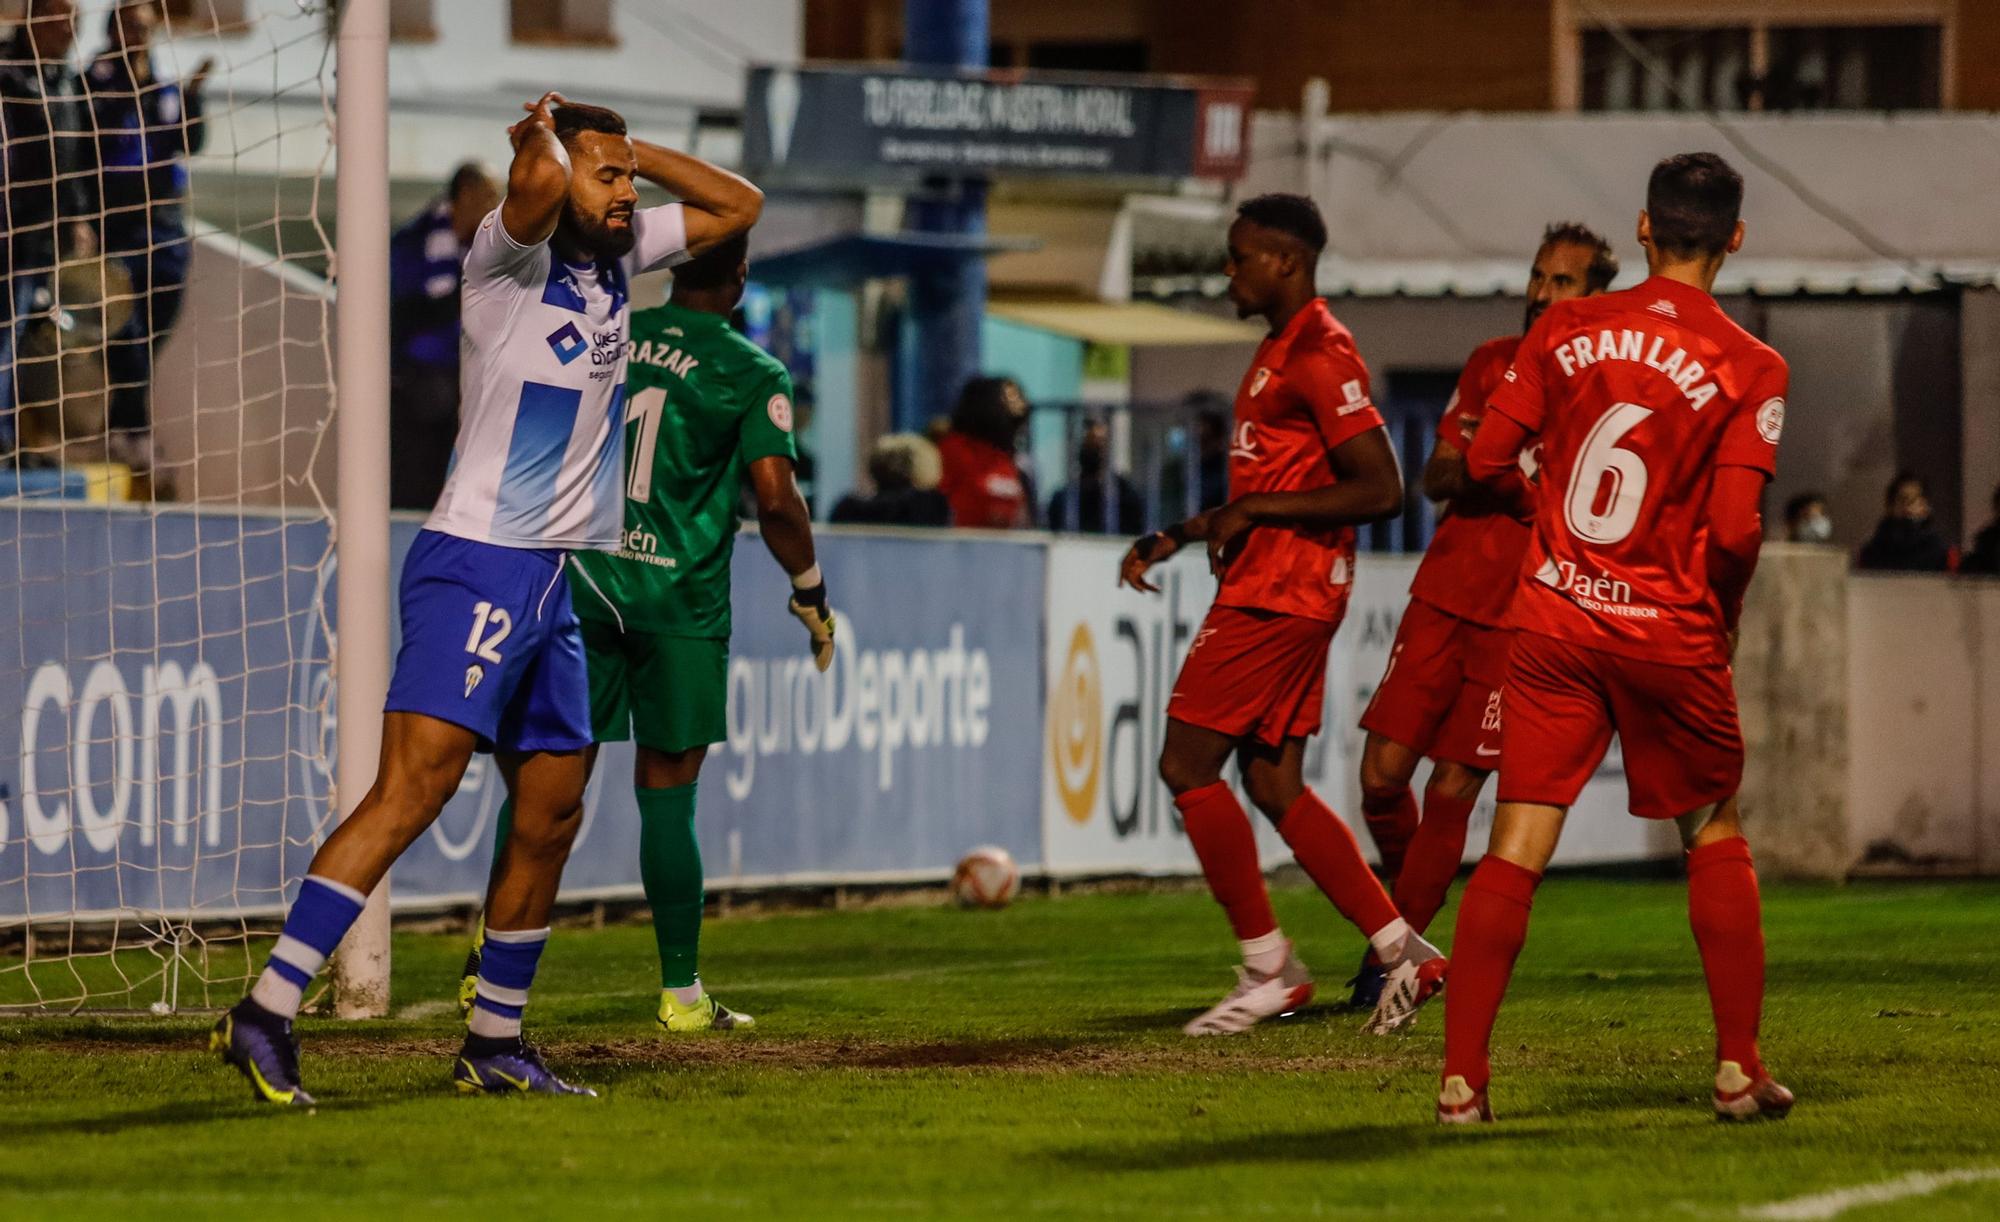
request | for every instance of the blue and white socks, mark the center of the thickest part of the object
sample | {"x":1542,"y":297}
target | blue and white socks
{"x":315,"y":925}
{"x":507,"y":960}
{"x":320,"y":919}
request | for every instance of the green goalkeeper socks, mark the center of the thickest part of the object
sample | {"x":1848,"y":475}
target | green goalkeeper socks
{"x":670,"y":867}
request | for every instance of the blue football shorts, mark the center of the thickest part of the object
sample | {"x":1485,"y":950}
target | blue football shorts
{"x":490,"y":643}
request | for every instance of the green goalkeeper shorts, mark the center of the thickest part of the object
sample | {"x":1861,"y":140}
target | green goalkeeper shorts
{"x":670,"y":693}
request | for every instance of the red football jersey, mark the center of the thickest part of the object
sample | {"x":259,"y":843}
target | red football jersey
{"x":1637,"y":397}
{"x":1305,"y":395}
{"x":1474,"y":560}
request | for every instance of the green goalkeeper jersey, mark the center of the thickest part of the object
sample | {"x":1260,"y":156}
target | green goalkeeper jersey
{"x":701,"y":404}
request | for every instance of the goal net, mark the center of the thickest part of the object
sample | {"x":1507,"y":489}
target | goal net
{"x":165,"y":472}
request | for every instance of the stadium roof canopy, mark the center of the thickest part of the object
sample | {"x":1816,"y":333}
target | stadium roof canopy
{"x":1427,"y":205}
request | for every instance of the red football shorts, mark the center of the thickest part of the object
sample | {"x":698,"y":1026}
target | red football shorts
{"x":1254,"y":674}
{"x":1440,"y":696}
{"x":1683,"y":748}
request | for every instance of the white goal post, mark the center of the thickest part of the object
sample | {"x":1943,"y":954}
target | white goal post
{"x":361,"y":422}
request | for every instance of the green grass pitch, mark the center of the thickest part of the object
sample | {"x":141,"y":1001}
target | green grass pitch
{"x":918,"y":1062}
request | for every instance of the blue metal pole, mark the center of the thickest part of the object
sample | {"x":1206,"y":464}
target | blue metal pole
{"x":947,"y":300}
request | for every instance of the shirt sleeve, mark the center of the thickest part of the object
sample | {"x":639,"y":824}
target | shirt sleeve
{"x":1522,"y":395}
{"x":1334,"y":386}
{"x":661,"y":239}
{"x":1750,"y":439}
{"x":767,"y":421}
{"x":494,"y":257}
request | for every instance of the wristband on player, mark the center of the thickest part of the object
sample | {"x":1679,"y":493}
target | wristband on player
{"x":1176,"y":535}
{"x":809,"y":587}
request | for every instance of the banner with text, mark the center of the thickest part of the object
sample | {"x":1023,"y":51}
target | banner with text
{"x":911,"y":750}
{"x":1111,"y":661}
{"x":168,"y":675}
{"x":842,"y":123}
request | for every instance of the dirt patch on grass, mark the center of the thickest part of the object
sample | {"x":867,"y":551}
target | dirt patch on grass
{"x":763,"y":1052}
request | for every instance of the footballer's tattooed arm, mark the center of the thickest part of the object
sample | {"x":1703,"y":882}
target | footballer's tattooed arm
{"x":1368,"y":487}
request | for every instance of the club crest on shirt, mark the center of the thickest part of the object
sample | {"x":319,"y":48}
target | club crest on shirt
{"x":1771,"y":420}
{"x":1258,"y":379}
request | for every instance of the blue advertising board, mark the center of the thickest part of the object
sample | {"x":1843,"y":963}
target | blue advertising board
{"x":172,"y":671}
{"x":167,"y":674}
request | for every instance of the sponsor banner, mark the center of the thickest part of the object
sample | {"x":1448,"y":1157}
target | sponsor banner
{"x":167,"y":675}
{"x":905,"y":754}
{"x":1113,"y":655}
{"x":174,"y":750}
{"x":844,"y":122}
{"x":1111,"y":663}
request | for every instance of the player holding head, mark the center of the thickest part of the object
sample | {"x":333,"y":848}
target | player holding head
{"x":706,"y":409}
{"x":492,"y":657}
{"x":1440,"y":695}
{"x":1309,"y":459}
{"x":1658,"y":422}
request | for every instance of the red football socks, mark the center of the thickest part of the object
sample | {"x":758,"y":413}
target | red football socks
{"x":1227,"y":848}
{"x":1435,"y":853}
{"x":1492,"y":925}
{"x":1728,"y":923}
{"x":1391,"y":822}
{"x":1327,"y":851}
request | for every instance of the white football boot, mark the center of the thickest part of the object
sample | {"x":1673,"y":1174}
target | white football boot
{"x":1257,"y":997}
{"x":1415,"y":976}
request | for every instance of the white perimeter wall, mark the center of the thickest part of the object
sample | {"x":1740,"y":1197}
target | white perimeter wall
{"x":1923,"y":694}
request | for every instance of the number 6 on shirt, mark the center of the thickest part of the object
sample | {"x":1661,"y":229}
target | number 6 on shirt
{"x":1599,"y":458}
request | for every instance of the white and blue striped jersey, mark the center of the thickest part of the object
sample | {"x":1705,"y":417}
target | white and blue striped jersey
{"x":539,"y":460}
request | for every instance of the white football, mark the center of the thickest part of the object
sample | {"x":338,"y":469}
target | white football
{"x":986,"y":878}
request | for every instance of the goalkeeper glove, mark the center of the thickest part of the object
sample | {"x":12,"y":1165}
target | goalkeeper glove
{"x":809,"y":605}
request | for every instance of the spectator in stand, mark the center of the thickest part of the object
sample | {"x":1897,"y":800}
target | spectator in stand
{"x":1984,"y":561}
{"x":982,"y":478}
{"x":1090,"y":490}
{"x":1806,"y":519}
{"x":426,"y":257}
{"x":1906,"y":541}
{"x":904,"y":468}
{"x":48,"y":190}
{"x":147,"y":128}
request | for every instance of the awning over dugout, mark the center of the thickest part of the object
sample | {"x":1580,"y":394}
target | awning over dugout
{"x":850,"y":258}
{"x":1427,"y":205}
{"x":1133,"y":324}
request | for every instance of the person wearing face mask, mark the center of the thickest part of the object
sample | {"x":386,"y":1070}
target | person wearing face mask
{"x":1806,"y":519}
{"x":1906,"y":541}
